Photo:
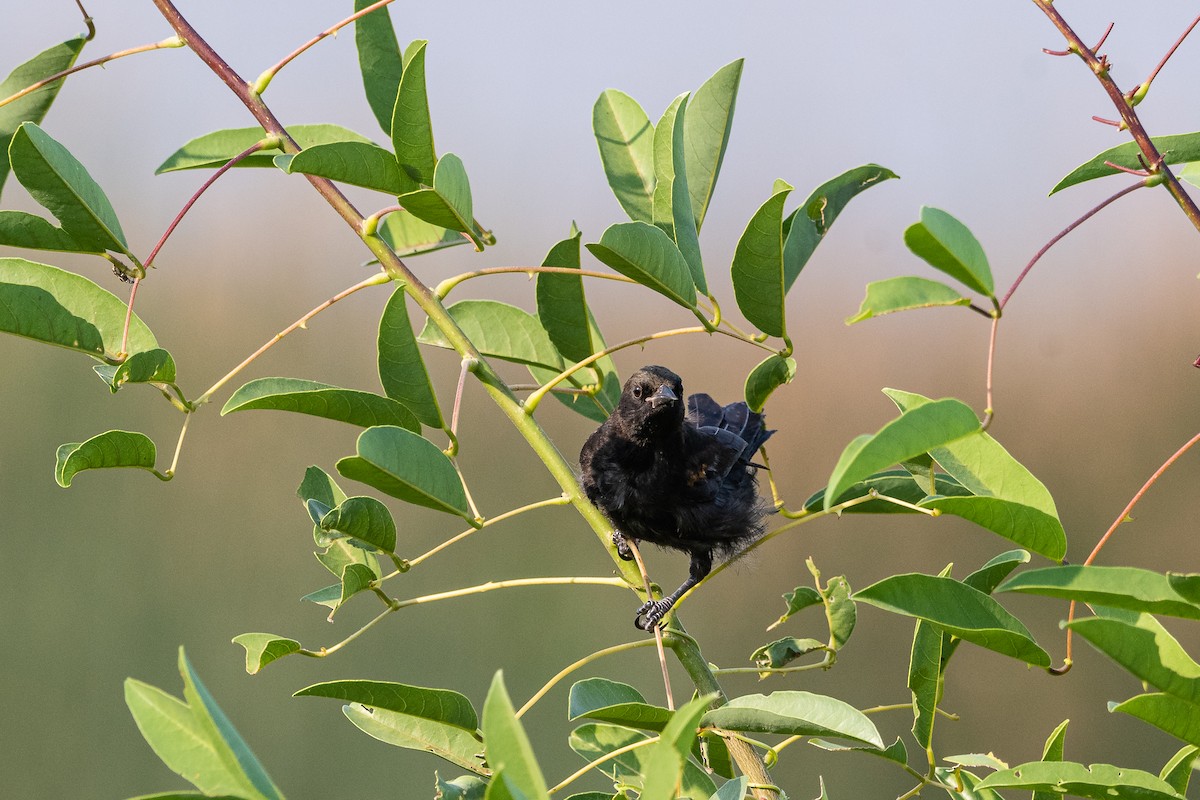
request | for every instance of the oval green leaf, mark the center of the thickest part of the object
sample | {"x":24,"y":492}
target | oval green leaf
{"x":758,"y":275}
{"x":414,"y":733}
{"x":448,"y":204}
{"x":22,"y":229}
{"x":960,"y":609}
{"x":672,"y":201}
{"x":1098,"y":781}
{"x":33,"y":106}
{"x":917,"y":430}
{"x":400,"y":463}
{"x":320,"y":400}
{"x":794,"y":713}
{"x":363,"y":519}
{"x":1177,"y":148}
{"x":782,"y":652}
{"x":501,"y":331}
{"x":148,"y":366}
{"x":409,"y":236}
{"x":561,"y":304}
{"x":62,"y":185}
{"x":263,"y":648}
{"x":1147,"y":650}
{"x":618,"y":703}
{"x":412,"y":130}
{"x":644,"y":253}
{"x":217,"y":148}
{"x":706,"y":134}
{"x":108,"y":450}
{"x":1117,"y":587}
{"x":437,"y":705}
{"x":948,"y":245}
{"x":626,"y":140}
{"x":897,"y":483}
{"x":903,"y":294}
{"x":770,"y":373}
{"x":379,"y":60}
{"x":356,"y":163}
{"x":402,"y":371}
{"x":506,"y":745}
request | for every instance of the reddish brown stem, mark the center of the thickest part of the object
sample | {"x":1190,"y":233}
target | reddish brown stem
{"x":1170,"y":53}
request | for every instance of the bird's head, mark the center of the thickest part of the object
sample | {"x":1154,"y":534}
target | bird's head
{"x":651,"y":403}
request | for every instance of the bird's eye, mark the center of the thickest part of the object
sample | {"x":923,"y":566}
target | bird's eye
{"x":637,"y":392}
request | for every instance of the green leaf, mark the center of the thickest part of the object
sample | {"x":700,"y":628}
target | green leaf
{"x":363,"y":519}
{"x":626,"y":140}
{"x":22,"y":229}
{"x":681,"y":729}
{"x":217,"y":148}
{"x":894,"y":752}
{"x":1011,"y":501}
{"x":1099,"y":781}
{"x":33,"y":106}
{"x":925,"y":677}
{"x":903,"y":294}
{"x":148,"y":366}
{"x":1178,"y":771}
{"x":961,"y":610}
{"x":672,"y":201}
{"x":782,"y":652}
{"x":450,"y":742}
{"x":436,"y":705}
{"x":647,"y":255}
{"x":989,"y":576}
{"x":561,"y":304}
{"x":356,"y":163}
{"x":593,"y":741}
{"x":321,"y":400}
{"x":618,"y":703}
{"x":318,"y":489}
{"x":947,"y":245}
{"x":50,"y":305}
{"x":1178,"y":148}
{"x":409,"y":236}
{"x":706,"y":134}
{"x":62,"y":185}
{"x":1147,"y":649}
{"x":448,"y":203}
{"x":506,"y":745}
{"x":770,"y":373}
{"x":840,"y":611}
{"x":758,"y":268}
{"x":969,"y":782}
{"x":404,"y":465}
{"x":917,"y":430}
{"x":402,"y":371}
{"x":1177,"y":717}
{"x":734,"y":789}
{"x":107,"y":450}
{"x":897,"y":483}
{"x":1186,"y":586}
{"x":412,"y":130}
{"x":794,"y":714}
{"x":466,"y":787}
{"x":263,"y":648}
{"x":379,"y":61}
{"x":797,"y":600}
{"x":1118,"y":587}
{"x":318,"y":485}
{"x":501,"y":331}
{"x":808,"y":224}
{"x":355,"y":578}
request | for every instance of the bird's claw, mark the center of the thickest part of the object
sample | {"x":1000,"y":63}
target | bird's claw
{"x":650,"y":615}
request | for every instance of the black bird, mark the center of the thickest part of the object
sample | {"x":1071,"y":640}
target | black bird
{"x":678,"y":481}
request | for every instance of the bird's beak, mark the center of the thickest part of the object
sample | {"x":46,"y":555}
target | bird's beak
{"x":664,"y":395}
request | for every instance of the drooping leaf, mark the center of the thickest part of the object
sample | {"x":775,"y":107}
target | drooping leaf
{"x":794,"y":713}
{"x":33,"y":106}
{"x":1177,"y":717}
{"x":770,"y":373}
{"x":402,"y":371}
{"x":903,"y":294}
{"x":454,"y":744}
{"x":437,"y":705}
{"x":148,"y":366}
{"x":625,"y":136}
{"x":797,"y":600}
{"x":617,"y":703}
{"x":263,"y":648}
{"x":1145,"y":648}
{"x":501,"y":331}
{"x":506,"y":745}
{"x":356,"y":163}
{"x":448,"y":204}
{"x":989,"y":576}
{"x":947,"y":245}
{"x":961,"y":610}
{"x":379,"y":61}
{"x":62,"y":185}
{"x":363,"y":519}
{"x":22,"y":229}
{"x":925,"y":676}
{"x":644,"y":253}
{"x":400,"y":463}
{"x":758,"y":269}
{"x":917,"y":430}
{"x":706,"y":134}
{"x":1178,"y":771}
{"x":320,"y":400}
{"x":1117,"y":587}
{"x":672,"y":201}
{"x":409,"y":236}
{"x":1177,"y":148}
{"x":561,"y":304}
{"x":50,"y":305}
{"x":465,"y":787}
{"x":216,"y":148}
{"x":108,"y":450}
{"x":807,"y":225}
{"x":412,"y":130}
{"x":897,"y":483}
{"x":1098,"y":781}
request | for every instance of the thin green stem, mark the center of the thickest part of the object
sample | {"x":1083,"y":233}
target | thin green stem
{"x":374,"y":280}
{"x":658,"y":633}
{"x":173,"y":41}
{"x":187,"y":418}
{"x":444,"y":288}
{"x":620,"y":751}
{"x":583,"y":662}
{"x":822,"y":664}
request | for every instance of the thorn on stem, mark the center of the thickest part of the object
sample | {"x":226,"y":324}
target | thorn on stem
{"x":1119,"y":124}
{"x":1103,"y":38}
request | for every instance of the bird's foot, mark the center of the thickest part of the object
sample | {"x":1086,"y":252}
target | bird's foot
{"x":622,"y":545}
{"x":650,"y":615}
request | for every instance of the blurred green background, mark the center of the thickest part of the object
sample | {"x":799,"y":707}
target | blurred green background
{"x":1094,"y":383}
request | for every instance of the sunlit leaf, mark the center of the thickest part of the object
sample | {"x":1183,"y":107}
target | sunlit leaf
{"x":782,"y":652}
{"x":1177,"y":717}
{"x":925,"y":676}
{"x":320,"y":400}
{"x":363,"y":519}
{"x":897,"y":483}
{"x":758,"y":273}
{"x":626,"y":140}
{"x":706,"y":134}
{"x":1178,"y":771}
{"x":108,"y":450}
{"x":450,"y":742}
{"x":1098,"y":781}
{"x":216,"y":148}
{"x":672,"y":200}
{"x":1145,"y":648}
{"x":794,"y":713}
{"x":1176,"y":149}
{"x":412,"y":130}
{"x":148,"y":366}
{"x":438,"y":705}
{"x":644,"y":253}
{"x":501,"y":331}
{"x":1118,"y":587}
{"x":770,"y":373}
{"x":465,"y":787}
{"x":947,"y":245}
{"x":506,"y":745}
{"x":595,"y":740}
{"x":402,"y":464}
{"x":561,"y":304}
{"x":263,"y":648}
{"x":797,"y":600}
{"x":903,"y":294}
